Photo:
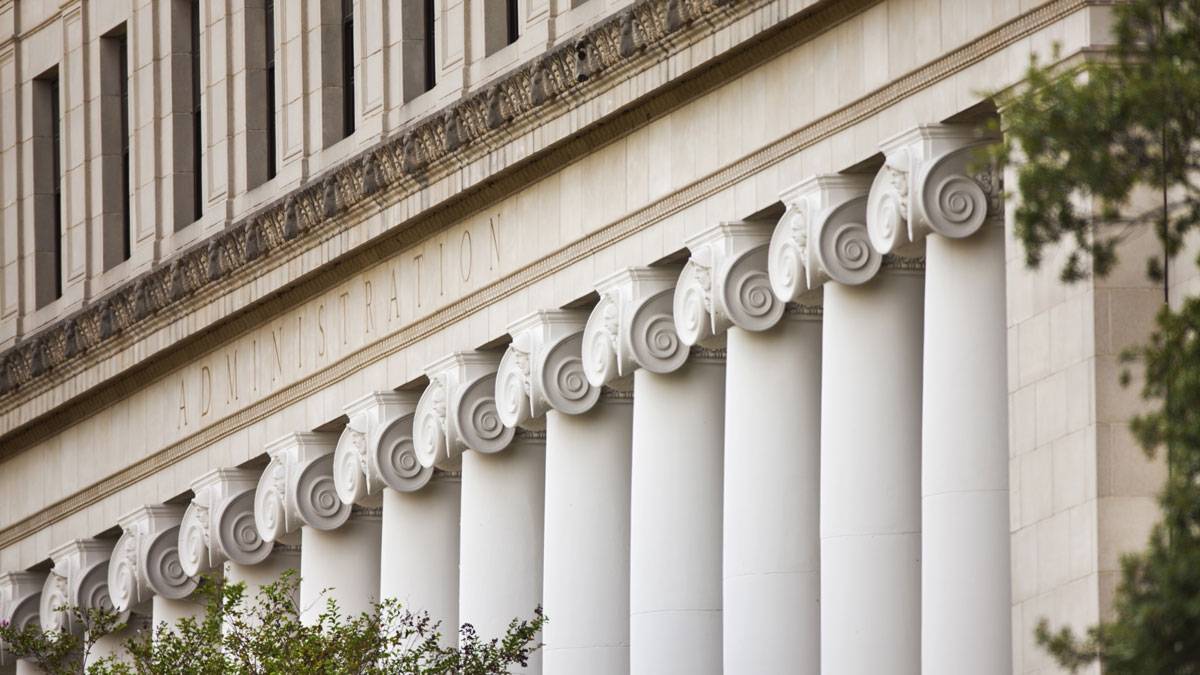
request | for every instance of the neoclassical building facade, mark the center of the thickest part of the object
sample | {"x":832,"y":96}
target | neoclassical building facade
{"x":696,"y":322}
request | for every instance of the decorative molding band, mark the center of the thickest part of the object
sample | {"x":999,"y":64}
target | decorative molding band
{"x":537,"y":436}
{"x":795,"y":309}
{"x":805,"y":27}
{"x":898,"y":263}
{"x":701,"y":353}
{"x":610,"y":394}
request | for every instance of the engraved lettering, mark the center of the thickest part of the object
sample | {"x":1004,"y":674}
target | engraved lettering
{"x":369,"y":320}
{"x":417,"y":286}
{"x":205,"y":390}
{"x":465,"y":256}
{"x":394,"y":301}
{"x":495,"y":242}
{"x":343,"y":300}
{"x":276,"y":338}
{"x":231,"y":393}
{"x":181,"y":421}
{"x":321,"y":328}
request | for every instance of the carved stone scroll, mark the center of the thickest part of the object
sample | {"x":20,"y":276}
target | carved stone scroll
{"x":458,"y":411}
{"x":927,"y":185}
{"x":822,"y":237}
{"x":219,"y":523}
{"x":145,"y":561}
{"x":543,"y":369}
{"x":376,"y":449}
{"x":79,"y":578}
{"x":632,"y":327}
{"x":20,"y":595}
{"x":297,"y":487}
{"x":725,"y":283}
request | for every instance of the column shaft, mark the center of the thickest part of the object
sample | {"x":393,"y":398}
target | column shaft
{"x":503,"y":512}
{"x":268,"y":571}
{"x":966,"y":599}
{"x":420,"y":551}
{"x":342,"y":564}
{"x":870,"y":477}
{"x":171,"y":611}
{"x":587,"y":539}
{"x":675,"y":533}
{"x":772,"y":537}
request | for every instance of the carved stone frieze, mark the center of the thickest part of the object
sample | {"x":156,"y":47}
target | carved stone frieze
{"x":458,"y":411}
{"x":822,"y":236}
{"x":927,"y":185}
{"x":297,"y":487}
{"x":725,"y":283}
{"x":79,"y":578}
{"x":543,"y":369}
{"x":145,"y":561}
{"x":219,"y":523}
{"x":632,"y":326}
{"x":376,"y":449}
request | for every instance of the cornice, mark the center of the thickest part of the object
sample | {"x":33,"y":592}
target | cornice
{"x":399,"y":165}
{"x":799,"y":29}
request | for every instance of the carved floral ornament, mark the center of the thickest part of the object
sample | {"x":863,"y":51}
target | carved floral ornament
{"x":822,"y":236}
{"x":926,"y":186}
{"x":145,"y":561}
{"x":219,"y":523}
{"x":632,"y":326}
{"x":458,"y":411}
{"x":297,"y":487}
{"x":725,"y":283}
{"x":376,"y":449}
{"x":79,"y":578}
{"x":543,"y":369}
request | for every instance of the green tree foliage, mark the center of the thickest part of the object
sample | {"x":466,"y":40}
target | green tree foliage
{"x":1087,"y":137}
{"x":266,"y":636}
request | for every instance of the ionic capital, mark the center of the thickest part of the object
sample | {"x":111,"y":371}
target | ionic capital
{"x":219,"y":523}
{"x":79,"y":578}
{"x":297,"y":486}
{"x":632,"y":326}
{"x":145,"y":561}
{"x":543,"y":369}
{"x":725,"y":283}
{"x":926,"y":186}
{"x":458,"y":412}
{"x":376,"y":449}
{"x":822,"y":236}
{"x":20,"y":594}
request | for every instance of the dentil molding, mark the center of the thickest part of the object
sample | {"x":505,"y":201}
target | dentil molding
{"x":297,"y":487}
{"x":376,"y":449}
{"x":219,"y":523}
{"x":458,"y":411}
{"x":822,"y":236}
{"x":632,"y":326}
{"x":725,"y":283}
{"x":79,"y":578}
{"x":543,"y":369}
{"x":145,"y":561}
{"x":926,"y":185}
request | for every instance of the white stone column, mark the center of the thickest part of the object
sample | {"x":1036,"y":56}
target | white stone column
{"x":870,"y":460}
{"x":500,"y":545}
{"x":675,"y":491}
{"x":503,"y":510}
{"x":419,"y":546}
{"x":20,"y":595}
{"x":219,"y":524}
{"x":269,"y":570}
{"x":771,"y":582}
{"x":541,"y":383}
{"x":927,"y":191}
{"x":339,"y":555}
